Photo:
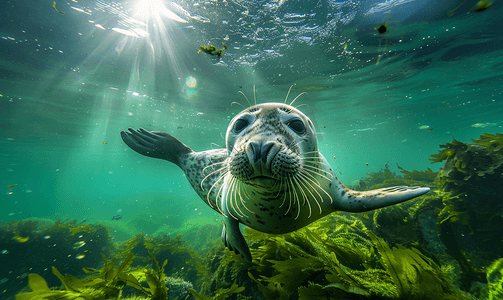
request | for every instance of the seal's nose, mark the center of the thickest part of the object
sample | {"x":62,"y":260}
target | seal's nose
{"x":260,"y":150}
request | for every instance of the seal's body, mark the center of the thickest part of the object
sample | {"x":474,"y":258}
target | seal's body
{"x":271,"y":176}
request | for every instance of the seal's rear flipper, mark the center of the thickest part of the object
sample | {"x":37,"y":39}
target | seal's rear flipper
{"x":155,"y":144}
{"x":355,"y":201}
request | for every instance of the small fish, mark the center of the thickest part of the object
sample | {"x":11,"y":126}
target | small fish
{"x":116,"y":218}
{"x":11,"y":186}
{"x":47,"y":237}
{"x":3,"y":280}
{"x":5,"y":251}
{"x":80,"y":256}
{"x":78,"y":245}
{"x":424,"y":127}
{"x":179,"y":127}
{"x":482,"y":125}
{"x":104,"y":143}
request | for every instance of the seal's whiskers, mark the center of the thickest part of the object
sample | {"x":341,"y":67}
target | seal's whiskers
{"x":245,"y":98}
{"x":292,"y":193}
{"x":298,"y":201}
{"x":222,"y":176}
{"x":243,"y":202}
{"x":212,"y":166}
{"x":310,"y":152}
{"x":232,"y":189}
{"x":303,"y":176}
{"x":207,"y":176}
{"x":316,"y":183}
{"x":288,"y":93}
{"x":220,"y":191}
{"x":238,"y":104}
{"x":301,"y":186}
{"x":297,"y":97}
{"x":319,"y":169}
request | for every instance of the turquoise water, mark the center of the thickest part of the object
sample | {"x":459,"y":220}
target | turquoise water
{"x":69,"y":83}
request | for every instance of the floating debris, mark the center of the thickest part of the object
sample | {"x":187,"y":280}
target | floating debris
{"x":3,"y":280}
{"x":54,"y":6}
{"x":424,"y":127}
{"x":212,"y":50}
{"x":190,"y":82}
{"x":382,"y":29}
{"x":21,"y":239}
{"x":482,"y":5}
{"x":104,"y":143}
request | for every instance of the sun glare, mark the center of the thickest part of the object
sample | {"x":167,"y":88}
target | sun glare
{"x":148,"y":9}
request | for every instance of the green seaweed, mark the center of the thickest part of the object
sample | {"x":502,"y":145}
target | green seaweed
{"x":184,"y":262}
{"x":212,"y":50}
{"x":31,"y":243}
{"x":427,"y":175}
{"x":415,"y":275}
{"x":106,"y":285}
{"x":495,"y":280}
{"x":334,"y":251}
{"x":221,"y":294}
{"x":469,"y":180}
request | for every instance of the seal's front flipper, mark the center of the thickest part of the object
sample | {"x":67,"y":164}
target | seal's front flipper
{"x":234,"y":240}
{"x":155,"y":144}
{"x":355,"y":201}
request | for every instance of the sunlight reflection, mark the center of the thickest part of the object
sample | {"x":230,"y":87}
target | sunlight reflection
{"x":146,"y":9}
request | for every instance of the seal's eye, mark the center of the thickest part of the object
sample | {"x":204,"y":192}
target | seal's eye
{"x":297,"y":126}
{"x":240,"y":125}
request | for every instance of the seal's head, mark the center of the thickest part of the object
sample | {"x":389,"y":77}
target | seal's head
{"x":267,"y":144}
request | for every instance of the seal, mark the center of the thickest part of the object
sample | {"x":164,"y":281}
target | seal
{"x":270,"y":177}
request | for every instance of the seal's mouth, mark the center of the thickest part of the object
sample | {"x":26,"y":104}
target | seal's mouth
{"x":264,"y":181}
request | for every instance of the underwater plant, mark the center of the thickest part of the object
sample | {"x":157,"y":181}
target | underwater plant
{"x":472,"y":213}
{"x":221,"y":294}
{"x":184,"y":262}
{"x":495,"y":280}
{"x":335,"y":257}
{"x":415,"y":275}
{"x":107,"y":285}
{"x":100,"y":287}
{"x":212,"y":50}
{"x":30,"y":244}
